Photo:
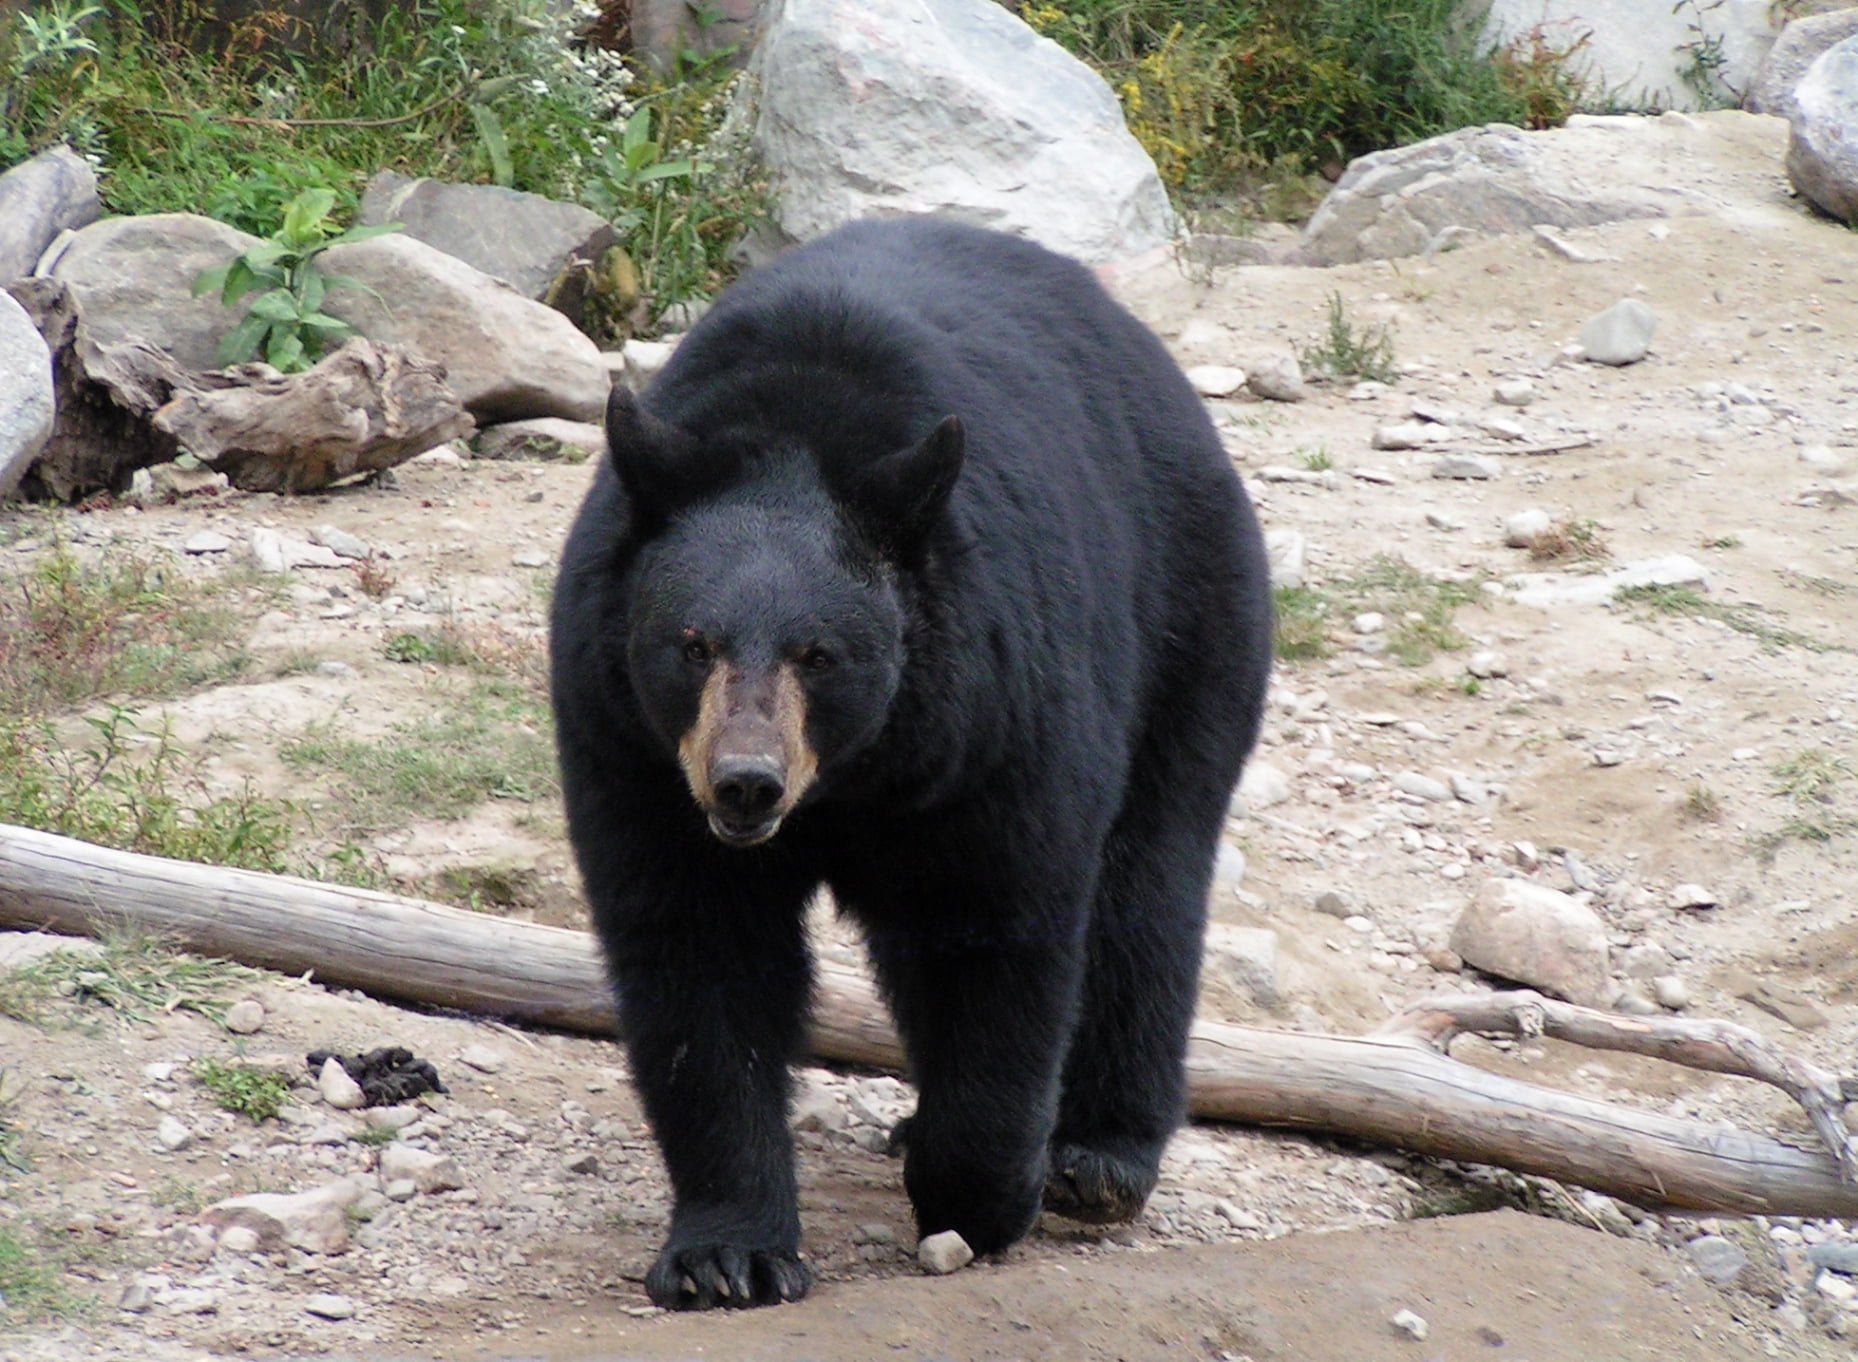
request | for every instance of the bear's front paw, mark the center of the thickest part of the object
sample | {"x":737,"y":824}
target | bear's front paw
{"x":704,"y":1276}
{"x":1097,"y":1187}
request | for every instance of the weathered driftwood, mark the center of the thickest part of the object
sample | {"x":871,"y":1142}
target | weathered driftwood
{"x":1395,"y":1087}
{"x":130,"y":405}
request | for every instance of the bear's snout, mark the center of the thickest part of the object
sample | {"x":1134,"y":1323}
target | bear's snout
{"x":747,"y":759}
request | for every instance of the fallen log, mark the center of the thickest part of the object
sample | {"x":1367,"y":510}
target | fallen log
{"x":1394,"y":1087}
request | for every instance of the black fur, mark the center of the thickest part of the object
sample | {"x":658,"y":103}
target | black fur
{"x":1047,"y":628}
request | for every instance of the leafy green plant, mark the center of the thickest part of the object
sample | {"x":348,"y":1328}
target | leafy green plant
{"x":285,"y":323}
{"x":1346,"y":352}
{"x":244,"y":1089}
{"x":138,"y":977}
{"x":1302,"y":614}
{"x":52,"y":35}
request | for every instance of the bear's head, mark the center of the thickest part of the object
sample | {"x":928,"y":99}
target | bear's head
{"x":766,"y":609}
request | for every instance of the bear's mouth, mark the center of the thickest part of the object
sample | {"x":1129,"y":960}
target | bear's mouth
{"x":732,"y":833}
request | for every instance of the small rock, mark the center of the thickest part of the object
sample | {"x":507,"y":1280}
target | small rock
{"x":1521,"y":530}
{"x":482,"y":1058}
{"x":1263,"y":785}
{"x":1669,"y":992}
{"x":1536,"y":936}
{"x":1404,"y":435}
{"x":173,"y":1135}
{"x":584,"y":1163}
{"x":1443,"y":959}
{"x":1286,"y":550}
{"x":530,"y":558}
{"x":206,"y":541}
{"x":944,"y":1253}
{"x":1716,"y":1259}
{"x":328,"y":1305}
{"x":1247,"y":958}
{"x":1467,"y":467}
{"x":1277,"y":379}
{"x":400,"y":1189}
{"x":429,"y":1172}
{"x":1514,"y":392}
{"x":1369,"y":622}
{"x":875,"y":1233}
{"x":1334,"y":903}
{"x":162,"y":1071}
{"x":1409,"y":1323}
{"x":315,"y":1221}
{"x":1229,"y":865}
{"x":1485,"y":665}
{"x":1838,"y":1255}
{"x":1422,"y":787}
{"x":1469,"y":791}
{"x":138,"y":1295}
{"x":245,"y":1017}
{"x":390,"y":1118}
{"x":1216,"y":380}
{"x":643,"y":359}
{"x":238,"y":1239}
{"x":340,"y":542}
{"x":1620,"y":335}
{"x":337,"y":1088}
{"x":1692,"y":896}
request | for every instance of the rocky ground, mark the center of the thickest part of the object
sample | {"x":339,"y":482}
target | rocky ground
{"x":1678,"y":764}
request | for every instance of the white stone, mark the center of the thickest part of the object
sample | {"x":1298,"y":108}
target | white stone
{"x":245,"y":1017}
{"x":1692,"y":896}
{"x":1369,"y":622}
{"x":1536,"y":936}
{"x":337,"y":1088}
{"x":429,"y":1172}
{"x":315,"y":1221}
{"x":328,"y":1305}
{"x":1620,"y":335}
{"x":1670,"y":992}
{"x":944,"y":1253}
{"x":238,"y":1239}
{"x":340,"y":542}
{"x":1405,"y":435}
{"x":1523,"y":528}
{"x":1421,"y":787}
{"x":1514,"y":392}
{"x":1263,"y":785}
{"x":1216,"y":380}
{"x":482,"y":1058}
{"x":1486,"y":664}
{"x":1411,"y":1324}
{"x":172,"y":1134}
{"x":1822,"y":151}
{"x":205,"y":541}
{"x":1285,"y":550}
{"x":1246,"y":958}
{"x":953,"y":107}
{"x":1467,"y":467}
{"x":1276,"y":378}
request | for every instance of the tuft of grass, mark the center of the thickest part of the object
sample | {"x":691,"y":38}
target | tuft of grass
{"x":1810,"y":776}
{"x":1819,"y":586}
{"x":1420,"y":608}
{"x":12,"y":1155}
{"x":244,"y":1089}
{"x":1722,"y":541}
{"x":488,"y":888}
{"x":1570,"y":541}
{"x":73,"y":631}
{"x":1317,"y":460}
{"x":1300,"y":633}
{"x":1346,"y":352}
{"x":133,"y":975}
{"x":136,"y":790}
{"x":32,"y":1283}
{"x":1701,"y":804}
{"x":1744,"y":619}
{"x":494,"y":744}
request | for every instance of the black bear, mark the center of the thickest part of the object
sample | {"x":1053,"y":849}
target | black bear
{"x":918,"y":573}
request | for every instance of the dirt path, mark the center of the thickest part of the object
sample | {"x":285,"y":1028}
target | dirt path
{"x":1633,"y":750}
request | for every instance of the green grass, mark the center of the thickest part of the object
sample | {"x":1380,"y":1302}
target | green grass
{"x":244,"y":1089}
{"x":1317,"y":460}
{"x":1420,"y":611}
{"x":134,"y":789}
{"x":1347,"y":352}
{"x":74,"y":630}
{"x":135,"y":976}
{"x":1744,"y":619}
{"x":493,"y":743}
{"x":32,"y":1285}
{"x":1302,"y":635}
{"x":1578,"y":541}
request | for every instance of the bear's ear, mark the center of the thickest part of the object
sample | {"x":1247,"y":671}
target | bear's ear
{"x":660,"y":466}
{"x":899,"y":496}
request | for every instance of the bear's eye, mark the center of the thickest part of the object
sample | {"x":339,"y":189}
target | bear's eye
{"x":698,"y":651}
{"x":816,"y":659}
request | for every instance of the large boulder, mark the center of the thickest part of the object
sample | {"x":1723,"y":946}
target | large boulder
{"x":951,"y":107}
{"x":506,"y":356}
{"x":544,"y":249}
{"x":1798,"y":47}
{"x":1536,"y":936}
{"x":26,"y":407}
{"x":133,"y":277}
{"x":1822,"y":152}
{"x":53,"y":192}
{"x":1499,"y":179}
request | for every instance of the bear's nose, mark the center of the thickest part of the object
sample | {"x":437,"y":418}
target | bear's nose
{"x":748,"y":788}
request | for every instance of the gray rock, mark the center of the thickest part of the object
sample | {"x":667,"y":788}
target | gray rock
{"x":315,"y":1221}
{"x":543,"y":437}
{"x":1837,"y":1255}
{"x":482,"y":1058}
{"x":506,"y":356}
{"x":204,"y":541}
{"x":1334,"y":903}
{"x":1485,"y":664}
{"x":1246,"y":958}
{"x":1215,"y":380}
{"x":1545,"y":589}
{"x":640,"y":361}
{"x":53,"y":192}
{"x":1421,"y":787}
{"x":1670,"y":993}
{"x":542,"y":248}
{"x":1276,"y":378}
{"x":944,"y":1253}
{"x":1285,"y":550}
{"x":328,"y":1305}
{"x":1536,"y":936}
{"x":583,"y":1164}
{"x":1692,"y":896}
{"x":1620,"y":335}
{"x":1263,"y":785}
{"x":131,"y":277}
{"x":341,"y":543}
{"x":429,"y":1172}
{"x":245,"y":1017}
{"x":1468,"y":791}
{"x":1466,"y":467}
{"x":1405,"y":435}
{"x":1716,"y":1259}
{"x":1229,"y":865}
{"x":1793,"y":53}
{"x":27,"y":403}
{"x":1515,"y":392}
{"x":953,"y":107}
{"x":173,"y":1135}
{"x":1822,"y":148}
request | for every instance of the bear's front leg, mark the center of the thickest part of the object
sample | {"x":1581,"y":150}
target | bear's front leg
{"x":986,"y":1023}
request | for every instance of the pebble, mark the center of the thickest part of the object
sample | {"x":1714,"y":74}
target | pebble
{"x":1277,"y":379}
{"x":944,"y":1253}
{"x":238,"y":1239}
{"x":172,"y":1134}
{"x":1369,"y":622}
{"x":1716,"y":1259}
{"x":1692,"y":896}
{"x":1334,"y":903}
{"x":1216,"y":380}
{"x":1422,"y":787}
{"x":1286,"y":551}
{"x":1514,"y":392}
{"x":1839,"y":1255}
{"x":1263,"y":785}
{"x":1469,"y":791}
{"x":206,"y":541}
{"x":340,"y":542}
{"x":1467,"y":467}
{"x":585,"y":1163}
{"x":328,"y":1305}
{"x":400,"y":1189}
{"x":1405,"y":435}
{"x":482,"y":1058}
{"x":245,"y":1017}
{"x":1537,"y":936}
{"x":1409,"y":1323}
{"x":1620,"y":335}
{"x":1486,"y":664}
{"x":530,"y":558}
{"x":1670,"y":992}
{"x":1521,"y":530}
{"x":429,"y":1172}
{"x":337,"y":1088}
